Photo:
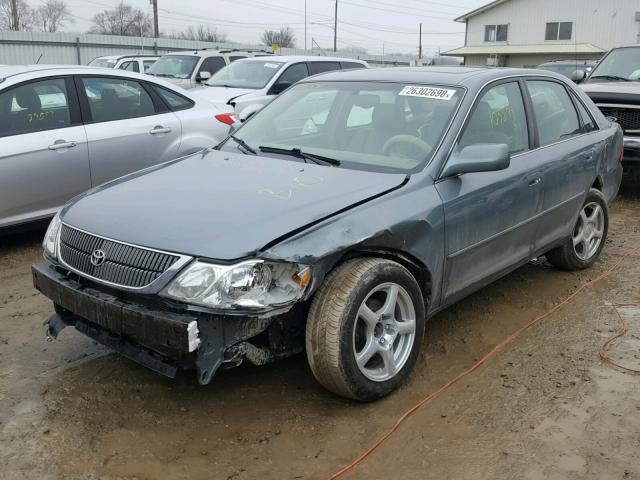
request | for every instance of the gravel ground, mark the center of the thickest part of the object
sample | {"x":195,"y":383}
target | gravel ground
{"x":544,"y":408}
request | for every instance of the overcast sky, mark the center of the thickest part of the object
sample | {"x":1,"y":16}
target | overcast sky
{"x":362,"y":23}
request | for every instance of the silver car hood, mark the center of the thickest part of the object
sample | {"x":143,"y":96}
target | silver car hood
{"x":220,"y":94}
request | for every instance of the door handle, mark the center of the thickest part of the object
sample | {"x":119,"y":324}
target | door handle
{"x":160,"y":129}
{"x":534,"y":182}
{"x":60,"y":144}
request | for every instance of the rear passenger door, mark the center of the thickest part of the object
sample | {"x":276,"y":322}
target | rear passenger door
{"x":43,"y":149}
{"x":491,"y":217}
{"x":569,"y":162}
{"x":128,"y":126}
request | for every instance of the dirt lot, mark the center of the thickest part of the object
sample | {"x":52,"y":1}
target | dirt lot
{"x":543,"y":408}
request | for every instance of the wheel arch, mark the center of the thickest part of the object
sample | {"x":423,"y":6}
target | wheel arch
{"x":418,"y":269}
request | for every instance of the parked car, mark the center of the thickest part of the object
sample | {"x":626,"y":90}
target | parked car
{"x":248,"y":85}
{"x":614,"y":86}
{"x":342,"y":236}
{"x":132,"y":63}
{"x":569,"y":67}
{"x":66,"y":129}
{"x":189,"y":69}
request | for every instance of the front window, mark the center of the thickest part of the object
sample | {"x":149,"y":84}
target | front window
{"x":174,"y":66}
{"x":245,"y":74}
{"x":622,"y":64}
{"x":374,"y":126}
{"x":496,"y":33}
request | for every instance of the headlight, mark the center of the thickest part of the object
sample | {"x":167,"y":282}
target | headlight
{"x":254,"y":284}
{"x":50,"y":242}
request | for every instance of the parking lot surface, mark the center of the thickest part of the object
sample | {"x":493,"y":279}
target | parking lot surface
{"x":544,"y":407}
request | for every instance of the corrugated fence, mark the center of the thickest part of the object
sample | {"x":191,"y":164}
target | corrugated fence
{"x":19,"y":48}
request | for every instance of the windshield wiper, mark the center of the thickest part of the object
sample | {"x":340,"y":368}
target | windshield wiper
{"x":296,"y":152}
{"x":611,"y":77}
{"x":243,"y":144}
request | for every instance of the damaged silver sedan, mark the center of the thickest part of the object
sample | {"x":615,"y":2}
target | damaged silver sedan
{"x":336,"y":221}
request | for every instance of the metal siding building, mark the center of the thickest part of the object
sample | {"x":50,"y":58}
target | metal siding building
{"x":23,"y":48}
{"x":597,"y":26}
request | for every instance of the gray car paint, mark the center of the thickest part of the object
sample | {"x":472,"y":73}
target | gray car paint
{"x":460,"y":233}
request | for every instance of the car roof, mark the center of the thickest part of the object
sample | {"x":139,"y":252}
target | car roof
{"x":300,"y":58}
{"x":568,"y":62}
{"x":451,"y":75}
{"x":119,"y":57}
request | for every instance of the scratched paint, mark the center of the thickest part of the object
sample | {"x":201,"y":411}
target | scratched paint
{"x":287,"y":192}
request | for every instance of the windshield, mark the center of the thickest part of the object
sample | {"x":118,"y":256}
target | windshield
{"x":368,"y":125}
{"x":620,"y":64}
{"x":174,"y":66}
{"x":564,"y":69}
{"x":103,"y":62}
{"x":245,"y":74}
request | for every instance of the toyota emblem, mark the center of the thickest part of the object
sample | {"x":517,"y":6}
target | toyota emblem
{"x":98,"y":257}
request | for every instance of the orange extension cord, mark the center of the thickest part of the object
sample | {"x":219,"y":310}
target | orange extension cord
{"x":496,"y":349}
{"x":602,"y":353}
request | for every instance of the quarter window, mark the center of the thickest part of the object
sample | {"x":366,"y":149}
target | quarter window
{"x":346,"y":65}
{"x":34,"y":107}
{"x":175,"y":101}
{"x":588,"y":123}
{"x":320,"y":67}
{"x":556,"y":117}
{"x":116,"y":99}
{"x":499,"y":117}
{"x":558,"y":31}
{"x":496,"y":33}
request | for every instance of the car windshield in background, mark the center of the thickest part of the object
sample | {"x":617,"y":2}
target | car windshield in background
{"x":103,"y":62}
{"x":622,"y":64}
{"x":174,"y":66}
{"x":374,"y":126}
{"x":245,"y":74}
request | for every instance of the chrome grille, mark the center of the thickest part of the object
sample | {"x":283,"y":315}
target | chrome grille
{"x":628,"y":118}
{"x":124,"y":265}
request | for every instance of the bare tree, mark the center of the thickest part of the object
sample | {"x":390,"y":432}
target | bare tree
{"x":53,"y":14}
{"x":203,"y":33}
{"x":122,"y":20}
{"x":285,"y":37}
{"x":25,"y":15}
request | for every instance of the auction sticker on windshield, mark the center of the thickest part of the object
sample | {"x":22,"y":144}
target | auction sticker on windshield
{"x":427,"y":92}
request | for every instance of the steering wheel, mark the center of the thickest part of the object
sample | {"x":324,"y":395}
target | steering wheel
{"x":406,"y":146}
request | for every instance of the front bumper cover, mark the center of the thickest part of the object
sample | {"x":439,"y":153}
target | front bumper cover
{"x":162,"y":340}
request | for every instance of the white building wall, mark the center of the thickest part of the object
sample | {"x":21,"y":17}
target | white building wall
{"x":603,"y":23}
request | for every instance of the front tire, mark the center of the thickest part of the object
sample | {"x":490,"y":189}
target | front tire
{"x":588,"y":238}
{"x":365,"y":328}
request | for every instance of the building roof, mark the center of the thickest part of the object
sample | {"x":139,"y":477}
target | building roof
{"x":553,"y":48}
{"x":480,"y":10}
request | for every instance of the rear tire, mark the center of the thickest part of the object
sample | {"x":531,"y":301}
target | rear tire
{"x":588,"y":238}
{"x":365,"y":328}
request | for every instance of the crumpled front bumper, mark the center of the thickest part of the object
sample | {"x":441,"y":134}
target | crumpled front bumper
{"x":161,"y":340}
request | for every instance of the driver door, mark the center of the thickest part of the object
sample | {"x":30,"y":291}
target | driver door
{"x":490,"y":217}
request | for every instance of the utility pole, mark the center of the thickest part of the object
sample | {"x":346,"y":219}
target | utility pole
{"x":420,"y":45}
{"x":335,"y":29}
{"x":156,"y":29}
{"x":14,"y":16}
{"x":305,"y":25}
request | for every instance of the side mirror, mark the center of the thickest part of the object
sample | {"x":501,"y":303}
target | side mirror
{"x":280,"y":87}
{"x":249,"y":111}
{"x":203,"y":76}
{"x":481,"y":157}
{"x":578,"y":76}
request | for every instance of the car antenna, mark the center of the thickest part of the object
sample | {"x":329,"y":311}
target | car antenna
{"x":39,"y":58}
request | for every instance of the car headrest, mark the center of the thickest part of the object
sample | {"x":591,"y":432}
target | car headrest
{"x":387,"y":116}
{"x":27,"y":98}
{"x":366,"y":100}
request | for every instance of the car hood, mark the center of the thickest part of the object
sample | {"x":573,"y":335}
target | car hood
{"x":616,"y":92}
{"x":220,"y":94}
{"x":221,"y":205}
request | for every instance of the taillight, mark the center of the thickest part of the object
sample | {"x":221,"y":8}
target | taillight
{"x":622,"y":154}
{"x":228,"y":118}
